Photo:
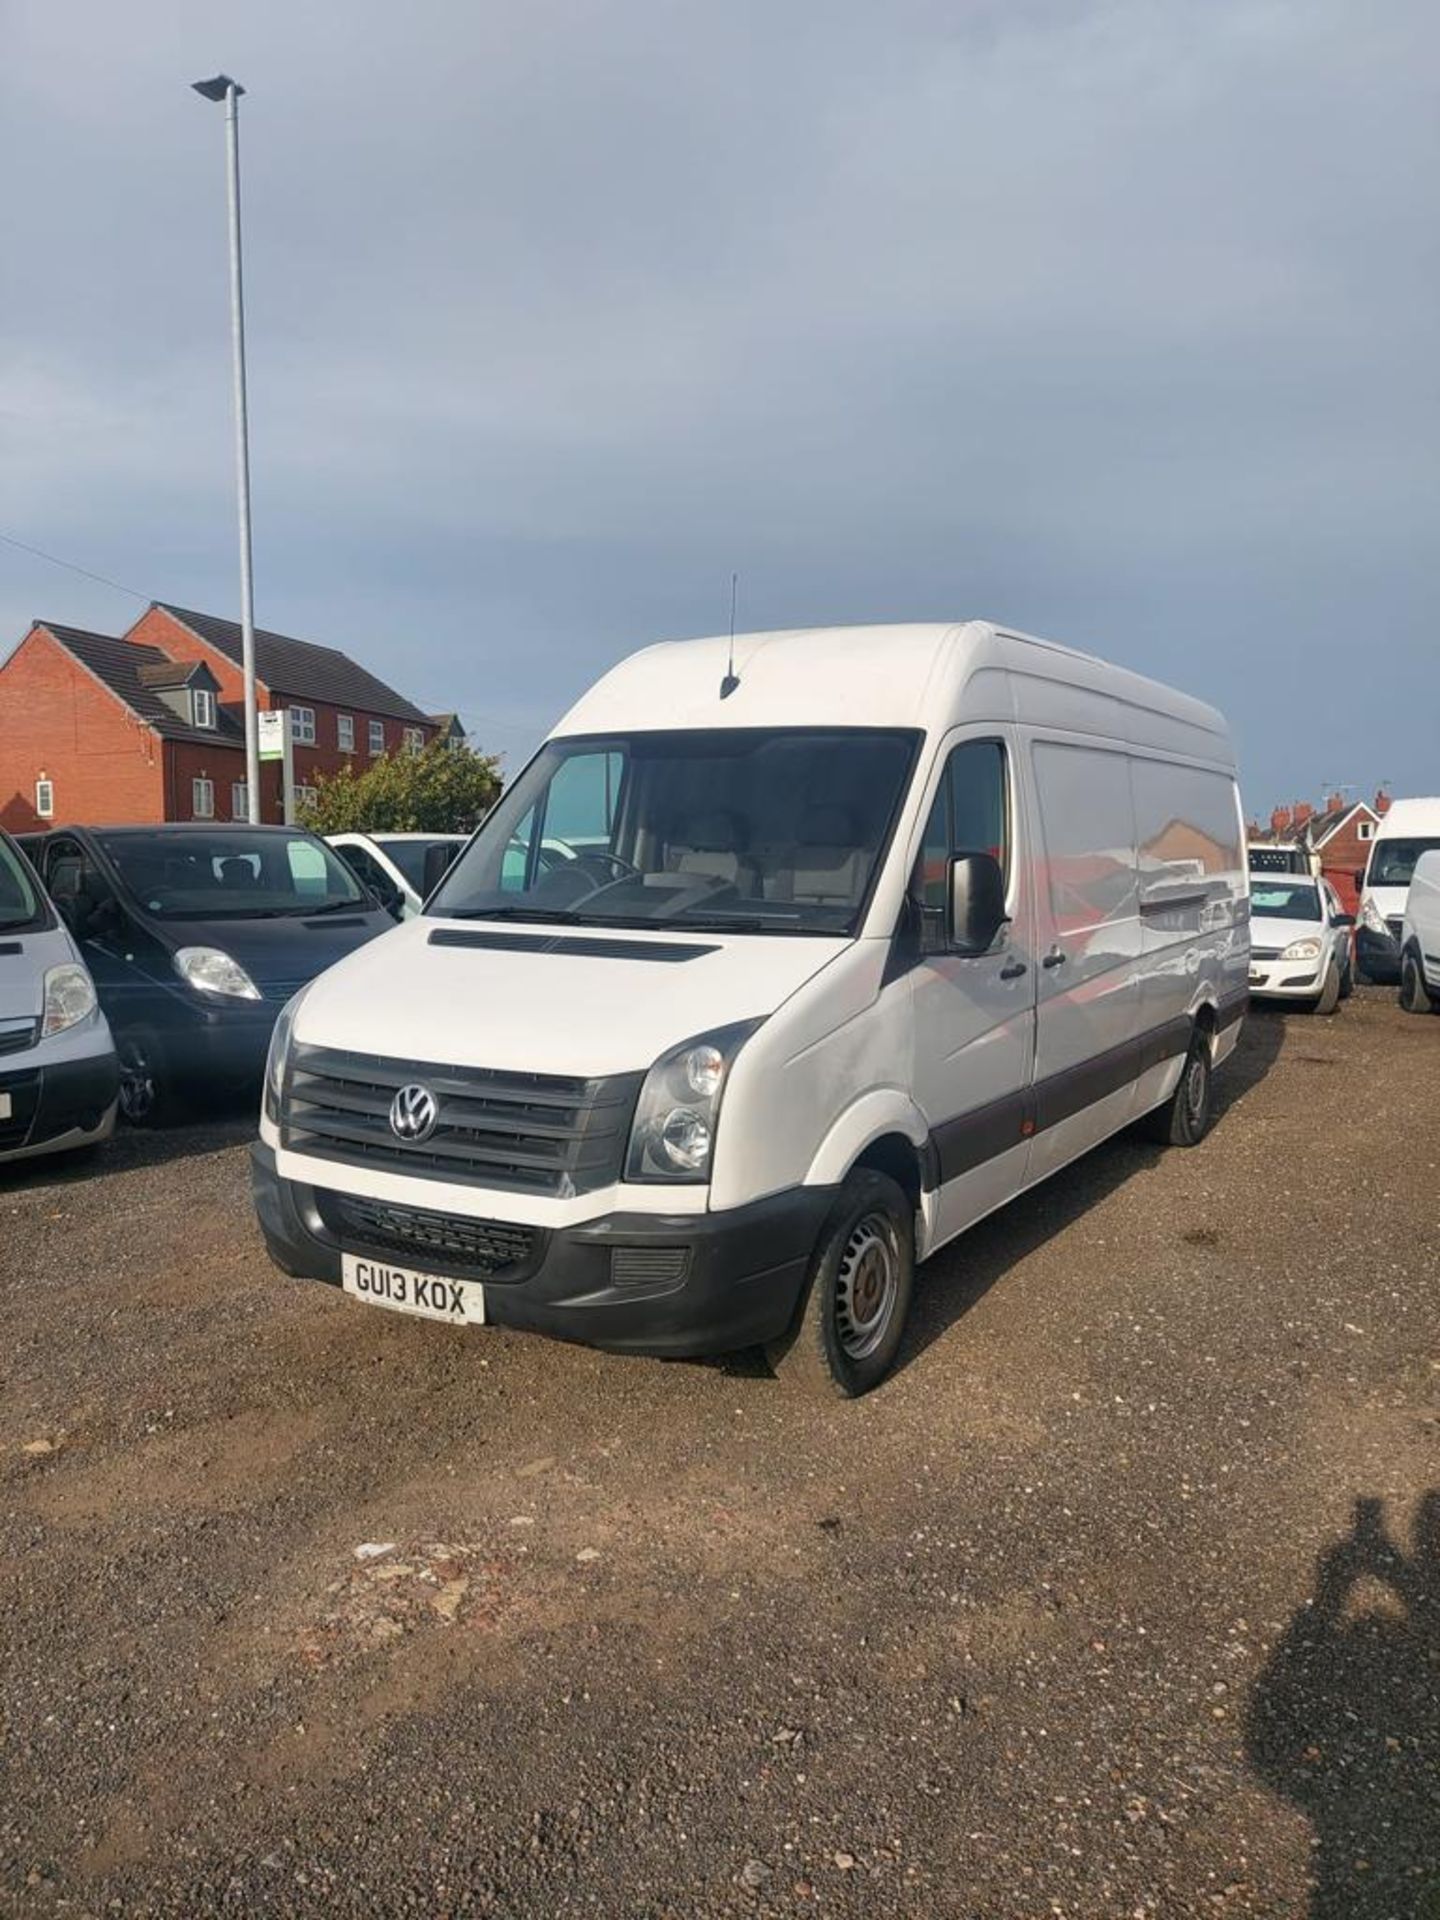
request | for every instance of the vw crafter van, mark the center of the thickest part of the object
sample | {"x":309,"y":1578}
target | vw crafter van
{"x":768,"y":977}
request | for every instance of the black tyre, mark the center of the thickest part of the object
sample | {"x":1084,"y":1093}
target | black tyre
{"x":1328,"y":998}
{"x":1414,"y":994}
{"x":146,"y":1099}
{"x":849,"y":1324}
{"x":1184,"y":1119}
{"x":1347,"y":977}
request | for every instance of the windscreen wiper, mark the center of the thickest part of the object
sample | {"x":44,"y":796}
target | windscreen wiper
{"x":545,"y":916}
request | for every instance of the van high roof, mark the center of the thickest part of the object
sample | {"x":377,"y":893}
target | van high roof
{"x":893,"y":676}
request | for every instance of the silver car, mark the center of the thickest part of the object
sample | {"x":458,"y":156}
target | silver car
{"x":58,"y":1073}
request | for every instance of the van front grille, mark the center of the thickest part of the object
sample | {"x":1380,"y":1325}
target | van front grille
{"x":451,"y":1243}
{"x":18,"y":1038}
{"x":520,"y":1132}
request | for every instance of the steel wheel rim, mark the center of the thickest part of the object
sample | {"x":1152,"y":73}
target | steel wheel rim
{"x":867,"y":1286}
{"x":1195,"y":1090}
{"x":137,"y":1082}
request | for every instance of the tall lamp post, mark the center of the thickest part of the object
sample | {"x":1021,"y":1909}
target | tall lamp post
{"x":222,"y":87}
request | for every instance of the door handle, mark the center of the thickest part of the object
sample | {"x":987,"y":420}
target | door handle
{"x":1013,"y":970}
{"x":1053,"y":960}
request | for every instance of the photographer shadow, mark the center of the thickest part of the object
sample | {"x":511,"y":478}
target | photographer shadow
{"x":1344,"y":1721}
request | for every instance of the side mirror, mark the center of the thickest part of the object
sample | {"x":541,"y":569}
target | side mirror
{"x":976,"y":902}
{"x":438,"y":862}
{"x":1344,"y":920}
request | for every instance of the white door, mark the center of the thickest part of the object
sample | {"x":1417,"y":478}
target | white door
{"x":1089,"y":1015}
{"x":973,"y":1016}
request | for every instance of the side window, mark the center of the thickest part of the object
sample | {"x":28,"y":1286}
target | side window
{"x":580,"y":808}
{"x":1088,"y":824}
{"x":970,"y":814}
{"x":308,"y":873}
{"x":517,"y":856}
{"x":366,"y":871}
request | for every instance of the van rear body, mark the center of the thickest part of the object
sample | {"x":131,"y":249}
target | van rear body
{"x":899,"y":919}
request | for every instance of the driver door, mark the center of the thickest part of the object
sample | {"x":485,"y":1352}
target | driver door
{"x":974,"y":1015}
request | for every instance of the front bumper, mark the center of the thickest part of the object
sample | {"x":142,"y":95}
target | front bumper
{"x":1378,"y":955}
{"x":218,"y":1047}
{"x":1285,"y":979}
{"x":676,"y":1284}
{"x":58,"y":1105}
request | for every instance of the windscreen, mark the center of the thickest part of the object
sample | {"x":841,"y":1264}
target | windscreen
{"x":409,"y":855}
{"x":1392,"y":862}
{"x":231,"y":874}
{"x":1273,"y":900}
{"x":19,"y":895}
{"x":738,"y":829}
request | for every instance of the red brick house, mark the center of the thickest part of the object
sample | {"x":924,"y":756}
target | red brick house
{"x":1336,"y":838}
{"x":1338,"y":841}
{"x":149,"y":725}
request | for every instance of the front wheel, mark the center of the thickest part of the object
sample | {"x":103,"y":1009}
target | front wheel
{"x":1184,"y":1119}
{"x":1329,"y":996}
{"x":145,"y":1098}
{"x":1414,"y":994}
{"x":848,"y":1327}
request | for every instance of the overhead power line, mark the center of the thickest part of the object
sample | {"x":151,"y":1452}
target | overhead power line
{"x":70,"y":567}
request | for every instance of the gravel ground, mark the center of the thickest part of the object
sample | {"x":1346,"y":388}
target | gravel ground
{"x":1121,"y":1598}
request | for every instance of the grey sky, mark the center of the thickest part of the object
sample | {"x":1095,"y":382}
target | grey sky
{"x":1113,"y":320}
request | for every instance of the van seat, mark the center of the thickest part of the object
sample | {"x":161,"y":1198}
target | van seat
{"x":712,"y":847}
{"x":829,"y":862}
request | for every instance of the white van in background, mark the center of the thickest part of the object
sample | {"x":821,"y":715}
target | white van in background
{"x":1420,"y":939}
{"x":863,"y":933}
{"x":1408,"y":829}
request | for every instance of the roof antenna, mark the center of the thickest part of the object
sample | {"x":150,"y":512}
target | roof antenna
{"x":732,"y":679}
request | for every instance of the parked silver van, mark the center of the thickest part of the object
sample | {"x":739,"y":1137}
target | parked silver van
{"x":58,"y":1073}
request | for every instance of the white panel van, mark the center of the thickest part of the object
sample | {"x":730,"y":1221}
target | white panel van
{"x":1420,"y":938}
{"x":766,"y":978}
{"x":1408,"y":829}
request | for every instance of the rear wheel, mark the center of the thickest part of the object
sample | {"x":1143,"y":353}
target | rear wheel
{"x":848,"y":1327}
{"x":1414,"y":994}
{"x":1184,"y":1119}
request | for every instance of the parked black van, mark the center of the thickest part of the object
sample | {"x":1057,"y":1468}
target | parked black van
{"x":196,"y":936}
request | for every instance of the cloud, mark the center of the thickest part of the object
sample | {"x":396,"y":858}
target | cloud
{"x":1113,"y":320}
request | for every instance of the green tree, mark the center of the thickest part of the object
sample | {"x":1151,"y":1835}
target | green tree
{"x":445,"y":789}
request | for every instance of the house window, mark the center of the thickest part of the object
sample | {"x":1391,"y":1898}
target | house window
{"x":377,"y":736}
{"x":302,"y":726}
{"x":202,"y":707}
{"x":304,"y":797}
{"x":1365,"y":830}
{"x":414,"y":740}
{"x":239,"y":800}
{"x":345,"y":732}
{"x":45,"y":799}
{"x":202,"y":798}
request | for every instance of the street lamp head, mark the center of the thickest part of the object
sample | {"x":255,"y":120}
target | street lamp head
{"x":218,"y":88}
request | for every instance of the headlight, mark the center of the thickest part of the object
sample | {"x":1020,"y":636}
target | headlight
{"x":673,"y":1137}
{"x":210,"y":970}
{"x":69,"y":998}
{"x":279,"y":1054}
{"x":1307,"y":949}
{"x":1371,"y":916}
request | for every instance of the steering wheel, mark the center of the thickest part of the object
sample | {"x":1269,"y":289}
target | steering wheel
{"x":612,"y":865}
